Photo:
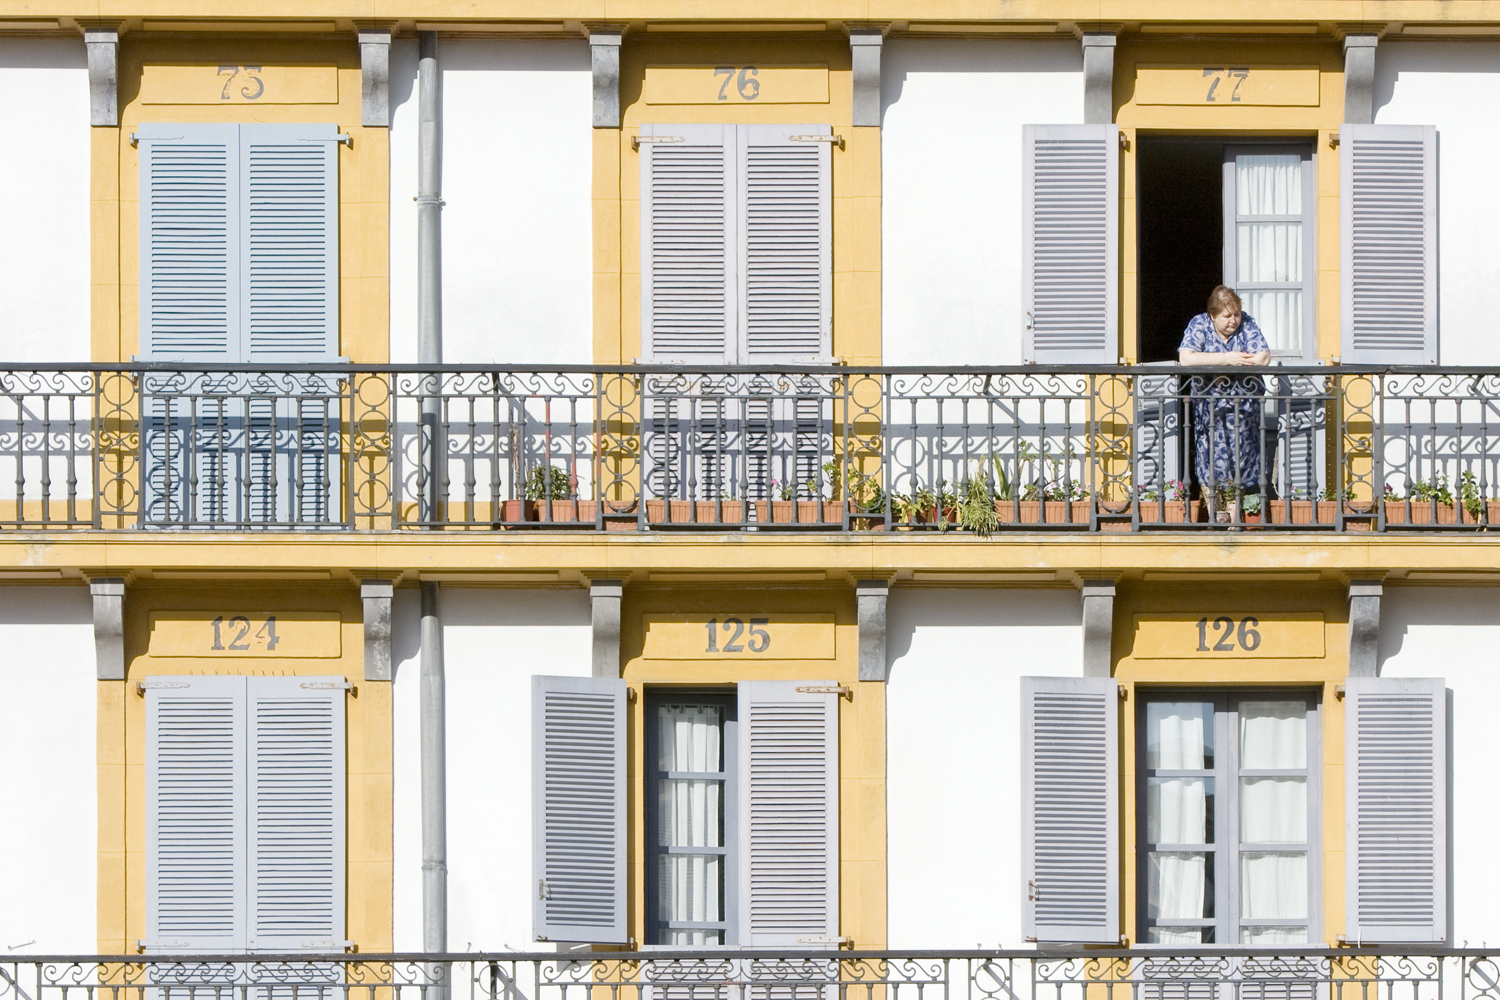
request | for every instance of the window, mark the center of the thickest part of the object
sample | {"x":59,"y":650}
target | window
{"x":741,"y":809}
{"x":1227,"y":812}
{"x":1269,"y":244}
{"x":736,"y":258}
{"x":239,"y":242}
{"x":244,"y":814}
{"x":690,"y":819}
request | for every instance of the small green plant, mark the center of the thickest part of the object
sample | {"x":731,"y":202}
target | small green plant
{"x":548,"y":482}
{"x":1468,"y":492}
{"x":1437,"y":489}
{"x":976,"y":508}
{"x":1250,"y":503}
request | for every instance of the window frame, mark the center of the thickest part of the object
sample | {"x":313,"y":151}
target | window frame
{"x":726,"y":699}
{"x":1226,"y":774}
{"x":1308,"y":150}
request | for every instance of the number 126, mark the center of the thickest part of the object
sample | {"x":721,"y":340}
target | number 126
{"x":760,"y":639}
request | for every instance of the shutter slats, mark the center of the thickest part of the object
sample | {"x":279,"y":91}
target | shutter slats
{"x":687,"y":242}
{"x":578,"y":815}
{"x":1396,"y":735}
{"x":195,"y":815}
{"x":1071,"y":181}
{"x":296,"y":800}
{"x":788,"y":813}
{"x":189,"y":241}
{"x":1071,"y":760}
{"x":786,"y":252}
{"x":1389,"y":189}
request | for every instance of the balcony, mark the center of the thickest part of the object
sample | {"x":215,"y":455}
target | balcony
{"x":666,"y":448}
{"x":1290,"y":973}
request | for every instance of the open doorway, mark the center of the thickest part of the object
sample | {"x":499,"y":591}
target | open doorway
{"x":1240,"y":213}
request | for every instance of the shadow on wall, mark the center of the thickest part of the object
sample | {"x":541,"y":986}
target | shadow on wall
{"x":1392,"y":59}
{"x":942,"y":55}
{"x":43,"y":53}
{"x":956,"y":608}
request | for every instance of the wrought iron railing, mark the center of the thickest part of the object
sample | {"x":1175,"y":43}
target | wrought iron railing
{"x":383,"y":447}
{"x":1289,"y":973}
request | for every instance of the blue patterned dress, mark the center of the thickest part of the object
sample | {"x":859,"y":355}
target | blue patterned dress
{"x":1226,"y":410}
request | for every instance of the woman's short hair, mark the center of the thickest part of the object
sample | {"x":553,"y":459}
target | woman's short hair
{"x":1222,"y":300}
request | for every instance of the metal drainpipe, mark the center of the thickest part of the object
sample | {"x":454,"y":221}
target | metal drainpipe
{"x":430,"y":352}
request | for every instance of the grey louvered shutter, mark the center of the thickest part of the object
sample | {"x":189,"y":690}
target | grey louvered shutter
{"x":578,"y":809}
{"x":785,"y":230}
{"x":789,"y":813}
{"x":195,"y":814}
{"x":190,"y":236}
{"x":289,"y":221}
{"x":689,"y":277}
{"x":1069,"y":809}
{"x":1070,"y":243}
{"x":295,"y":792}
{"x":1396,"y":809}
{"x":1388,"y":208}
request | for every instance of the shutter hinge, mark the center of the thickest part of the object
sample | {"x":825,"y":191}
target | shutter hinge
{"x":1338,"y":691}
{"x":142,"y":946}
{"x":342,"y":138}
{"x":141,"y":686}
{"x":837,"y":942}
{"x":1124,"y":693}
{"x":843,"y":691}
{"x":837,"y":140}
{"x":543,"y":890}
{"x":1032,"y":895}
{"x":637,"y":140}
{"x":1124,"y":142}
{"x":326,"y":686}
{"x":630,"y":695}
{"x":136,"y":137}
{"x":1333,"y":140}
{"x":328,"y":944}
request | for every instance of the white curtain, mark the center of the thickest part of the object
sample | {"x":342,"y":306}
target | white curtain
{"x":691,"y":815}
{"x":1273,"y":810}
{"x":1179,"y":736}
{"x":1270,"y":184}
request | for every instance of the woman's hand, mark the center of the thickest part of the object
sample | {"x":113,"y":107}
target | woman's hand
{"x":1226,"y":358}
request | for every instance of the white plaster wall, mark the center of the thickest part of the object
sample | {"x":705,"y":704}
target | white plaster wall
{"x":951,"y":163}
{"x":517,"y":180}
{"x":954,"y":755}
{"x":49,"y":838}
{"x":1455,"y":634}
{"x":44,"y":216}
{"x":493,"y":642}
{"x":1455,"y":86}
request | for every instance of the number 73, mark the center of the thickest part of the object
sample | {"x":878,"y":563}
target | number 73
{"x":1217,"y":74}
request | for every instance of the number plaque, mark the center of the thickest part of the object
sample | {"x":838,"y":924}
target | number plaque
{"x":1211,"y":635}
{"x":241,"y":634}
{"x":737,"y":635}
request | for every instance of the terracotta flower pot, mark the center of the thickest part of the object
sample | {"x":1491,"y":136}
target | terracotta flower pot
{"x":695,"y":511}
{"x":799,"y":512}
{"x":514,"y":512}
{"x":1168,"y":512}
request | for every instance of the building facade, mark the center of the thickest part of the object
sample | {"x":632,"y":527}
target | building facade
{"x":734,"y":457}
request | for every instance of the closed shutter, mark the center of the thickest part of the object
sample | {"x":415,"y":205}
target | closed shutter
{"x":296,"y":806}
{"x":190,"y":237}
{"x":1070,"y":243}
{"x":1069,"y":809}
{"x":688,"y":242}
{"x":1388,"y":207}
{"x":1396,"y":809}
{"x":289,"y":224}
{"x":785,"y":233}
{"x":578,"y":809}
{"x":789,"y":813}
{"x":195,"y":814}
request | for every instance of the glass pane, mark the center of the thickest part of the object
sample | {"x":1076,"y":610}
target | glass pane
{"x":1268,"y":251}
{"x":1179,"y":935}
{"x":1268,"y":184}
{"x":1273,"y":810}
{"x":691,"y":887}
{"x":1273,"y":935}
{"x":1273,"y":885}
{"x":1180,"y":735}
{"x":1179,"y":810}
{"x":683,"y":936}
{"x":691,"y":813}
{"x":1273,"y":734}
{"x":1180,"y":885}
{"x":690,"y":737}
{"x":1278,"y":313}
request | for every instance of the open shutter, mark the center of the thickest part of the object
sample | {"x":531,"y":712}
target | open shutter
{"x":289,"y":218}
{"x":1388,"y":207}
{"x":688,"y":242}
{"x":195,"y":814}
{"x":1070,"y":243}
{"x":1069,"y":809}
{"x":789,"y":813}
{"x":578,"y":809}
{"x":296,"y":805}
{"x":1396,"y":809}
{"x":786,"y":234}
{"x":190,"y":234}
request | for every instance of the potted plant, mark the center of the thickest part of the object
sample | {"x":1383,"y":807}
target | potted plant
{"x":1250,"y":506}
{"x":1169,"y":506}
{"x":789,"y":508}
{"x":725,"y":510}
{"x":550,"y":490}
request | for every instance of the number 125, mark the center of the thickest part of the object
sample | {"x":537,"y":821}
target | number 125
{"x":760,"y":639}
